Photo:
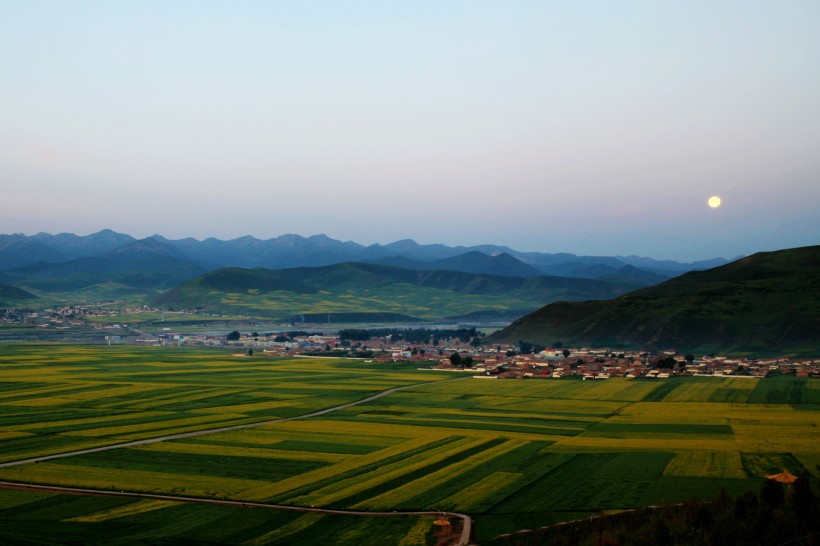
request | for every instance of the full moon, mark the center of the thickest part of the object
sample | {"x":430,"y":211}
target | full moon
{"x":714,"y":201}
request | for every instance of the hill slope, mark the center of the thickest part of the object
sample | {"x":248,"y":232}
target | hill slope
{"x":371,"y":288}
{"x":19,"y":251}
{"x":143,"y":265}
{"x":765,"y":303}
{"x":12,"y":296}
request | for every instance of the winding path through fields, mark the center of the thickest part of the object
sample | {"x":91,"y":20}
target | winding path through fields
{"x":464,"y":540}
{"x":466,"y":521}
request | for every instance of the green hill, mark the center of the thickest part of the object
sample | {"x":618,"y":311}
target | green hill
{"x":768,"y":303}
{"x":371,"y":291}
{"x":11,"y":296}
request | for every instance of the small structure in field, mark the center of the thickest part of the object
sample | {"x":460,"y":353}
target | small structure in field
{"x":784,"y":477}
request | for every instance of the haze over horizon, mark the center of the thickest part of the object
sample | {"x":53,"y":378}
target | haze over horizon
{"x":591,"y":128}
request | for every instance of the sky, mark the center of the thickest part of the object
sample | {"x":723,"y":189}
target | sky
{"x":591,"y":127}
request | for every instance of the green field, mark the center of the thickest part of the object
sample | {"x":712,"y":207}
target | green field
{"x":513,"y":454}
{"x":358,"y":292}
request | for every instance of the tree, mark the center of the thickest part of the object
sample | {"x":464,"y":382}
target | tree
{"x":467,"y":362}
{"x":455,"y":359}
{"x":803,"y":499}
{"x":689,"y":358}
{"x":557,"y":344}
{"x":772,"y":493}
{"x":250,"y":352}
{"x":233,"y":336}
{"x":669,"y":362}
{"x":566,"y":353}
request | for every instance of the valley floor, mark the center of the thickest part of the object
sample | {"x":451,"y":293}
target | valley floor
{"x":512,"y":454}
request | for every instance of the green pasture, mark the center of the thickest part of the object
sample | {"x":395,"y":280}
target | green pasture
{"x":168,"y":318}
{"x":404,"y":299}
{"x":512,"y":453}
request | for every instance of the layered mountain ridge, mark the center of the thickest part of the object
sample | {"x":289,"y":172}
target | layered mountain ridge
{"x":290,"y":250}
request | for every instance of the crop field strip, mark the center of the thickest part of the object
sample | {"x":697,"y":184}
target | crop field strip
{"x":34,"y":516}
{"x":131,"y":394}
{"x":516,"y":453}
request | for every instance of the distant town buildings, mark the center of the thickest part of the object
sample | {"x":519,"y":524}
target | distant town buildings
{"x":111,"y":325}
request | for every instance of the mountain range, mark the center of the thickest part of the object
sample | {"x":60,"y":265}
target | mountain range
{"x":286,"y":251}
{"x":767,"y":303}
{"x":764,"y":303}
{"x":114,"y":266}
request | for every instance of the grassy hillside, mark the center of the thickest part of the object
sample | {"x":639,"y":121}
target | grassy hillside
{"x":765,"y":303}
{"x":375,"y":289}
{"x":12,"y":296}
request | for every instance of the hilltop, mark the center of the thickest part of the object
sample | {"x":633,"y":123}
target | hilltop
{"x":766,"y":303}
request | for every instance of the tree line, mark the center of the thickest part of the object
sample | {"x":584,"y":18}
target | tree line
{"x":432,"y":336}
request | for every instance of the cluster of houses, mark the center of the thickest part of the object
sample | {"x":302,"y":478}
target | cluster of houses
{"x":486,"y":361}
{"x":503,"y":361}
{"x":595,"y":364}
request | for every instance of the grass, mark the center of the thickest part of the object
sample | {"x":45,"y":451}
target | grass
{"x":517,"y":454}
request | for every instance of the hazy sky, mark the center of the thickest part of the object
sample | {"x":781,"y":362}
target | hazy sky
{"x":585,"y":127}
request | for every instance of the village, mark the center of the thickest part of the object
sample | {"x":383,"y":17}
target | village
{"x":461,"y":350}
{"x":493,"y":361}
{"x":506,"y":362}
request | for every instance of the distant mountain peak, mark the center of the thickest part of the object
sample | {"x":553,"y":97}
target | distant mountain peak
{"x":149,"y":245}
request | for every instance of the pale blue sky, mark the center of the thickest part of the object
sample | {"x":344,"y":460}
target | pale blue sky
{"x":585,"y":127}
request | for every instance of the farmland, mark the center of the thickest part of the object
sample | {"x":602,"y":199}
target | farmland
{"x":513,"y":454}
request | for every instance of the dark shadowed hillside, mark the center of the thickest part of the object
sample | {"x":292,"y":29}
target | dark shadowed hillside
{"x":10,"y":295}
{"x":19,"y":251}
{"x":765,"y":303}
